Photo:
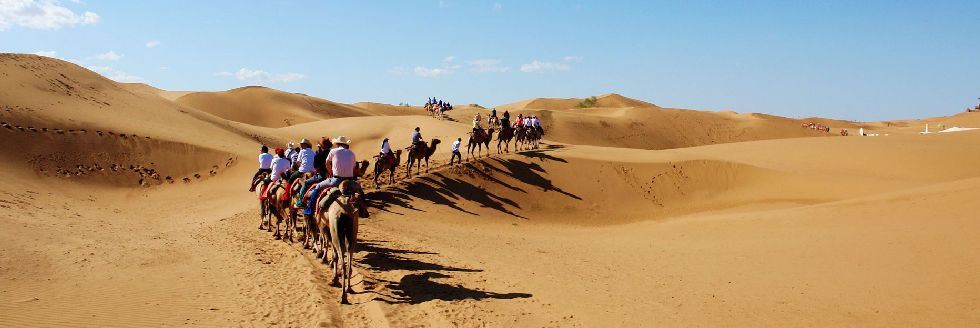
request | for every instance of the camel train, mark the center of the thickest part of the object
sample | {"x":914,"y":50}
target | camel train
{"x":288,"y":189}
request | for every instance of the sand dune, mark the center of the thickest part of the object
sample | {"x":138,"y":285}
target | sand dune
{"x":611,"y":100}
{"x":125,"y":205}
{"x":266,"y":107}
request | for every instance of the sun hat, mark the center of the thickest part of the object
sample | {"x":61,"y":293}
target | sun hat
{"x":341,"y":140}
{"x":304,"y":141}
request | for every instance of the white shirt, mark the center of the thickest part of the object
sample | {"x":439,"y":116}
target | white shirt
{"x":342,"y":162}
{"x":279,"y":166}
{"x":293,"y":157}
{"x":537,"y":122}
{"x":289,"y":153}
{"x":265,"y":160}
{"x":385,"y":147}
{"x":306,"y":160}
{"x":456,"y":146}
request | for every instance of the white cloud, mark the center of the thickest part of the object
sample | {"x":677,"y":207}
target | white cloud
{"x":41,"y":14}
{"x":449,"y":58}
{"x":497,"y":6}
{"x":111,"y":55}
{"x":487,"y":66}
{"x":260,"y":76}
{"x":431,"y":72}
{"x":572,"y":59}
{"x":46,"y":53}
{"x":538,"y":66}
{"x":115,"y":75}
{"x":152,"y":44}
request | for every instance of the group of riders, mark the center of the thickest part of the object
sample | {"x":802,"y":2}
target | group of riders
{"x":309,"y":178}
{"x":437,"y":106}
{"x":332,"y":161}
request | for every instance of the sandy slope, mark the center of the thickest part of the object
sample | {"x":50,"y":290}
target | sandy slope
{"x":266,"y":107}
{"x":592,"y":230}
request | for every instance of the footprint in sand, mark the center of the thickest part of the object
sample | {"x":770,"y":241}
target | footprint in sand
{"x":197,"y":176}
{"x":187,"y":180}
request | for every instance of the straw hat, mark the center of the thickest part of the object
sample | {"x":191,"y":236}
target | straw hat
{"x":341,"y":140}
{"x":304,"y":141}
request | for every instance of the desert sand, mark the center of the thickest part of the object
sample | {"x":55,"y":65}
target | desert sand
{"x":126,"y":205}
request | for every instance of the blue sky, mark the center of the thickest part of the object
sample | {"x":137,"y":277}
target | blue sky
{"x":862,"y":60}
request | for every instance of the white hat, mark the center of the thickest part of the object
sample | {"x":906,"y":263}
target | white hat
{"x":305,"y":141}
{"x":341,"y":140}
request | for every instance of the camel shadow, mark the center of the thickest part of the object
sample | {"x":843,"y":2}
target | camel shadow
{"x":380,"y":258}
{"x":420,"y":288}
{"x":449,"y":187}
{"x":530,"y":173}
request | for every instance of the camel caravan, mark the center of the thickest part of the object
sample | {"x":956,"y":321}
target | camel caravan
{"x":816,"y":126}
{"x":437,"y":108}
{"x":314,"y":190}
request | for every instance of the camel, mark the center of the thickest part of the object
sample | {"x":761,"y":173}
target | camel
{"x":265,"y":214}
{"x":380,"y":165}
{"x":336,"y":224}
{"x":294,"y":196}
{"x":423,"y":152}
{"x":504,"y":137}
{"x":479,"y":141}
{"x":281,"y":210}
{"x":520,"y":135}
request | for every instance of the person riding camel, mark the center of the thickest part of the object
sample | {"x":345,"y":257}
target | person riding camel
{"x":416,"y":138}
{"x":537,"y":124}
{"x":289,"y":151}
{"x":386,"y":153}
{"x":265,"y":166}
{"x":519,"y":123}
{"x":342,"y":164}
{"x":477,"y":129}
{"x":505,"y":121}
{"x":320,"y":165}
{"x":280,"y":165}
{"x":304,"y":159}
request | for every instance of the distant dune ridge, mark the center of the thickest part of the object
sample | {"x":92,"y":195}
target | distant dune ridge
{"x":133,"y":199}
{"x":261,"y":106}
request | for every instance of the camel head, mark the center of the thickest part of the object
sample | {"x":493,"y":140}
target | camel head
{"x":362,"y":167}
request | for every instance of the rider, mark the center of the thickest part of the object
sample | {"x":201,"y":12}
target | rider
{"x":320,"y":165}
{"x":265,"y":166}
{"x":476,"y":124}
{"x":341,"y":163}
{"x":416,"y":137}
{"x":456,"y":152}
{"x":289,"y":151}
{"x":520,"y":121}
{"x":280,"y":165}
{"x":304,"y":158}
{"x":386,"y":152}
{"x":537,"y":124}
{"x":505,"y":121}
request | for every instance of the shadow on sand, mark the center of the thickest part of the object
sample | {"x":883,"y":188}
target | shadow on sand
{"x":419,"y":287}
{"x":449,"y":187}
